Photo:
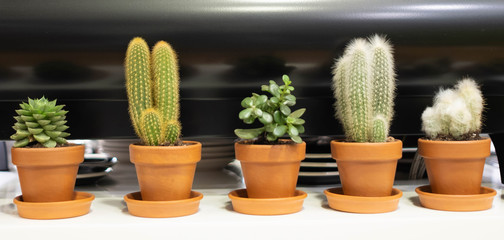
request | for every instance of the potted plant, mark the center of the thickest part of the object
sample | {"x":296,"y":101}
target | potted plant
{"x":165,"y":165}
{"x":270,"y":165}
{"x":364,"y":84}
{"x":47,"y":165}
{"x":453,"y":151}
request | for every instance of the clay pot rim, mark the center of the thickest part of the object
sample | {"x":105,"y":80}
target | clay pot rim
{"x":192,"y":144}
{"x":424,"y":190}
{"x":465,"y":142}
{"x":291,"y":143}
{"x":396,"y":193}
{"x":375,"y":144}
{"x":43,"y":150}
{"x":365,"y":152}
{"x":195,"y":196}
{"x":234,"y":195}
{"x":85,"y":197}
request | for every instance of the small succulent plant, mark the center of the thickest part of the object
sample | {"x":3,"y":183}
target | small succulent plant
{"x":152,"y":83}
{"x":364,"y":85}
{"x":274,"y":113}
{"x":40,"y":121}
{"x":456,"y":113}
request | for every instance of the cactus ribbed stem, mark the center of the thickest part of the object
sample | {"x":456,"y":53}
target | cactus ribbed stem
{"x":138,"y":81}
{"x":152,"y":83}
{"x":364,"y":85}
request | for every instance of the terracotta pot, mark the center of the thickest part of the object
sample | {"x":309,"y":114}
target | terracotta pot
{"x":270,"y":171}
{"x":454,"y":167}
{"x":165,"y":173}
{"x":367,"y":169}
{"x":47,"y":174}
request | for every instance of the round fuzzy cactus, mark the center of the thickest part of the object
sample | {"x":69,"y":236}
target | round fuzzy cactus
{"x":40,"y":121}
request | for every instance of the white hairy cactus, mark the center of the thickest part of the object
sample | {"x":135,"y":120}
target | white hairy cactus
{"x":456,"y":113}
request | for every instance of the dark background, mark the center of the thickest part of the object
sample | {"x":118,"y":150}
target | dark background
{"x":74,"y":50}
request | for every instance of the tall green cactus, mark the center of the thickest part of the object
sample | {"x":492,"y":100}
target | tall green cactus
{"x":364,"y":85}
{"x":152,"y":83}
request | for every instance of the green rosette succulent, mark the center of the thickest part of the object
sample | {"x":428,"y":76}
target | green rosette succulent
{"x":274,"y":113}
{"x":40,"y":121}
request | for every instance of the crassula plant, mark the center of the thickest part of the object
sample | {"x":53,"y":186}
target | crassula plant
{"x":456,"y":113}
{"x":152,"y":83}
{"x":364,"y":85}
{"x":40,"y":123}
{"x":274,"y":113}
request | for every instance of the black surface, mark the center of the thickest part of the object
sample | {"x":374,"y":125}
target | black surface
{"x":73,"y":51}
{"x":498,"y":142}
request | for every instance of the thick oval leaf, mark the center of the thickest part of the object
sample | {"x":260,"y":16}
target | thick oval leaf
{"x":35,"y":131}
{"x":273,"y":88}
{"x":261,"y":100}
{"x":298,"y":113}
{"x":49,"y":127}
{"x":278,"y":117}
{"x":274,"y":100}
{"x":299,"y":121}
{"x":64,"y":134}
{"x":300,"y":128}
{"x":289,"y":103}
{"x":293,"y":131}
{"x":53,"y":134}
{"x":23,"y":112}
{"x":41,"y":138}
{"x":21,"y":143}
{"x":286,"y":79}
{"x":280,"y":130}
{"x":60,"y":140}
{"x":46,"y":122}
{"x":245,"y":113}
{"x":285,"y":110}
{"x":50,"y":144}
{"x":271,"y":137}
{"x":258,"y":112}
{"x":39,"y":116}
{"x":21,"y":126}
{"x":248,"y":133}
{"x":32,"y":124}
{"x":249,"y":120}
{"x":61,"y":128}
{"x":269,"y":127}
{"x":266,"y":118}
{"x":290,"y":98}
{"x":27,"y":118}
{"x":296,"y":139}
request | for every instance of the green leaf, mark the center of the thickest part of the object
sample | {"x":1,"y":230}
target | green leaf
{"x":278,"y":117}
{"x":298,"y":113}
{"x":280,"y":130}
{"x":299,"y":121}
{"x":53,"y":134}
{"x":64,"y":134}
{"x":290,"y":120}
{"x":293,"y":131}
{"x":274,"y":100}
{"x":19,"y":119}
{"x":300,"y":128}
{"x":249,"y":120}
{"x":60,"y":140}
{"x":41,"y":138}
{"x":23,"y":112}
{"x":289,"y":103}
{"x":39,"y":116}
{"x":21,"y":134}
{"x":285,"y":110}
{"x":269,"y":128}
{"x":57,"y":118}
{"x":27,"y":118}
{"x":258,"y":112}
{"x":50,"y":144}
{"x":248,"y":133}
{"x":265,"y":88}
{"x":45,"y":122}
{"x":290,"y":98}
{"x":58,"y":123}
{"x":21,"y":126}
{"x":246,"y":102}
{"x":22,"y":143}
{"x":49,"y":127}
{"x":32,"y":124}
{"x":61,"y":128}
{"x":271,"y":137}
{"x":273,"y":88}
{"x":290,"y":88}
{"x":35,"y":131}
{"x":286,"y":79}
{"x":266,"y":118}
{"x":296,"y":139}
{"x":245,"y":113}
{"x":261,"y":99}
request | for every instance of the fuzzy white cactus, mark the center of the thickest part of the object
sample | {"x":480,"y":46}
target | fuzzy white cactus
{"x":456,"y":113}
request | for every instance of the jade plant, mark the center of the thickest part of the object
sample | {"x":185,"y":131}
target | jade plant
{"x":40,"y":123}
{"x":273,"y":113}
{"x":456,"y":113}
{"x":364,"y":85}
{"x":152,"y":83}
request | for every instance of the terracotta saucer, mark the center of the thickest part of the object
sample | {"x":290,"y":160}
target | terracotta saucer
{"x":162,"y":209}
{"x":55,"y":210}
{"x":460,"y":203}
{"x":266,"y":206}
{"x":357,"y":204}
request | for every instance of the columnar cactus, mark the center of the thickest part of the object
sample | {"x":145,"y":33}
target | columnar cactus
{"x":42,"y":121}
{"x":364,"y":85}
{"x":456,"y":113}
{"x":152,"y":83}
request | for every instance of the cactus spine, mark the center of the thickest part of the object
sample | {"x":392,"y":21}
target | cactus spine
{"x":152,"y":83}
{"x":364,"y":85}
